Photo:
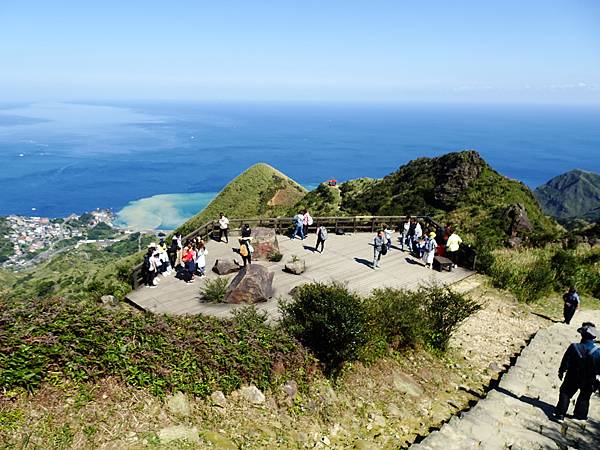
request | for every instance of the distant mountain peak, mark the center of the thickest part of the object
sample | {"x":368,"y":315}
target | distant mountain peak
{"x":573,"y":194}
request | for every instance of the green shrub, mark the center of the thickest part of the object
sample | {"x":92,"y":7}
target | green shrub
{"x":82,"y":341}
{"x":445,"y":310}
{"x":274,"y":256}
{"x":328,"y":319}
{"x":214,"y":290}
{"x":397,"y":316}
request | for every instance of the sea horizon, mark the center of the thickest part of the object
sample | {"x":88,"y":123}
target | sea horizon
{"x":71,"y":157}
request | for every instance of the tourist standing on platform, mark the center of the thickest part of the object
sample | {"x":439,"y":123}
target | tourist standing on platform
{"x":246,"y":232}
{"x":223,"y":228}
{"x":298,"y":226}
{"x":571,"y":303}
{"x":378,"y":244}
{"x":452,"y":246}
{"x":387,"y":232}
{"x":429,"y":248}
{"x":307,"y":221}
{"x":201,"y":258}
{"x":404,"y":237}
{"x":246,"y":251}
{"x":581,"y":362}
{"x":321,"y":238}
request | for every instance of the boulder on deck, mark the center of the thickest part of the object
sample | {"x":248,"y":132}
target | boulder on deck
{"x":254,"y":284}
{"x":264,"y":241}
{"x":225,"y":267}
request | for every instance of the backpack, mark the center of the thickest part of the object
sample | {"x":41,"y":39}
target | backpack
{"x":587,"y":364}
{"x":243,"y":250}
{"x":323,"y":232}
{"x":384,"y":249}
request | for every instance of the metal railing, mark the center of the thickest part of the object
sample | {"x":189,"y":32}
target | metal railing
{"x":283,"y":225}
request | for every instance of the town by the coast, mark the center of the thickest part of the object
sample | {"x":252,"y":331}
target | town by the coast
{"x":25,"y":238}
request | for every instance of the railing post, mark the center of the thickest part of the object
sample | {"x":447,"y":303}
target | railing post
{"x":373,"y":224}
{"x":354,"y":225}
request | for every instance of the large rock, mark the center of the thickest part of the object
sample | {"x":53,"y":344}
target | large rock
{"x":296,"y":266}
{"x":224,"y":267}
{"x":179,"y":405}
{"x":252,"y":395}
{"x":179,"y":433}
{"x":517,"y":220}
{"x":253,"y":284}
{"x":264,"y":241}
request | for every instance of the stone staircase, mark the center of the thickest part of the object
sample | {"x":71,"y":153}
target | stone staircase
{"x":518,"y":413}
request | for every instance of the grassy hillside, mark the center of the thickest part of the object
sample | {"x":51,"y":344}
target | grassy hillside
{"x":86,"y":272}
{"x":457,"y":187}
{"x":6,"y":247}
{"x":575,"y":194}
{"x":260,"y":191}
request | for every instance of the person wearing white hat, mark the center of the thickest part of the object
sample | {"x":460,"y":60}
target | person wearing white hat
{"x":581,"y":363}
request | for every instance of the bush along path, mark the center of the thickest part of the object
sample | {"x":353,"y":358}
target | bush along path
{"x":518,"y":413}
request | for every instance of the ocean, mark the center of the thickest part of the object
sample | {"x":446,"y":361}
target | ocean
{"x":144,"y":159}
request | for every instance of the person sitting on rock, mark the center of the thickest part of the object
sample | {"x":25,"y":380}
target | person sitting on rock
{"x":581,"y":363}
{"x":571,"y":300}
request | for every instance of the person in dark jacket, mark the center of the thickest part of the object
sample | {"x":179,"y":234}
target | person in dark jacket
{"x":581,"y":363}
{"x":571,"y":300}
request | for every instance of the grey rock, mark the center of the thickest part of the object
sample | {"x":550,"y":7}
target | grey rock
{"x":179,"y":432}
{"x":107,"y":299}
{"x":296,"y":267}
{"x":218,"y":399}
{"x":253,"y":284}
{"x":223,"y":267}
{"x":252,"y":395}
{"x":179,"y":405}
{"x":290,"y":388}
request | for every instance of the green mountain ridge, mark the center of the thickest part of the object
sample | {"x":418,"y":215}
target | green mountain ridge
{"x":571,"y":195}
{"x":259,"y":191}
{"x":458,"y":187}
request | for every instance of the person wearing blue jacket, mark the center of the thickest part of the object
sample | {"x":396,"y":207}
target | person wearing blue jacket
{"x":579,"y":367}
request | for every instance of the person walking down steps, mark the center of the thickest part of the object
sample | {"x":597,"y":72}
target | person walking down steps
{"x":581,"y":363}
{"x":571,"y":299}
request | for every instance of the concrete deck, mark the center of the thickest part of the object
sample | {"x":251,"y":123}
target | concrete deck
{"x":346,"y":259}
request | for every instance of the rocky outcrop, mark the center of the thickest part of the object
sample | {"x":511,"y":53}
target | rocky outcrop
{"x":518,"y":224}
{"x":254,"y":284}
{"x":224,"y":267}
{"x":456,"y":174}
{"x":264,"y":241}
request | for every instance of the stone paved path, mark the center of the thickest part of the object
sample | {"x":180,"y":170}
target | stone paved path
{"x":516,"y":415}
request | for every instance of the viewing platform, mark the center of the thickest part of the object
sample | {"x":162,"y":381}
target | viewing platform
{"x":346,"y":259}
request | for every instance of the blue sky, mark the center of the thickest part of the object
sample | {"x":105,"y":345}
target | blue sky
{"x":393,"y":50}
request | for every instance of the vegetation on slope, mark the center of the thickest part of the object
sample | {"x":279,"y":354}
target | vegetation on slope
{"x":531,"y":274}
{"x":575,"y":194}
{"x":48,"y":339}
{"x":457,"y":187}
{"x":89,"y":271}
{"x":6,"y":247}
{"x":260,"y":191}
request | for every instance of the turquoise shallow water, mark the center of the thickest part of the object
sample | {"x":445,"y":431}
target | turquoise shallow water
{"x":61,"y":158}
{"x":164,"y":211}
